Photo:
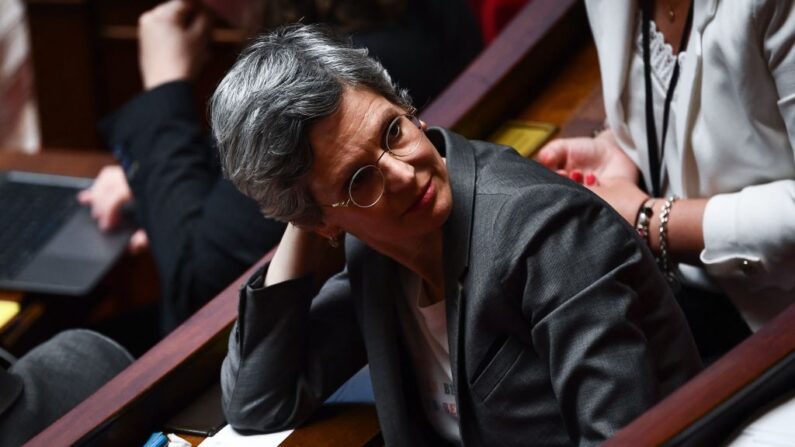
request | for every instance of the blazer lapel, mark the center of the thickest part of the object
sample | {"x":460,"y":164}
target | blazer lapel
{"x":686,"y":102}
{"x":457,"y":237}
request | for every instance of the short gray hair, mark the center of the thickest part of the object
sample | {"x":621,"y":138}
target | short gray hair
{"x":262,"y":110}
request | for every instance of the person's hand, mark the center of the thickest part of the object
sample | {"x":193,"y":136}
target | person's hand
{"x":588,"y":159}
{"x":139,"y":241}
{"x":303,"y":251}
{"x":106,"y":197}
{"x":173,"y":40}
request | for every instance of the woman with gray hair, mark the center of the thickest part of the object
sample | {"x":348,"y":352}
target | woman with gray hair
{"x":509,"y":304}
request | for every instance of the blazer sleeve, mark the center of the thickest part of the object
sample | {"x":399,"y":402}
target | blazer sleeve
{"x":750,"y":235}
{"x":203,"y":233}
{"x":288,"y":352}
{"x":603,"y":320}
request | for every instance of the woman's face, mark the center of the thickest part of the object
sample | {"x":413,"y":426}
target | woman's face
{"x":417,"y":198}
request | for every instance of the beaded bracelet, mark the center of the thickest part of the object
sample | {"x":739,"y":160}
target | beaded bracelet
{"x":663,"y":260}
{"x":643,"y":219}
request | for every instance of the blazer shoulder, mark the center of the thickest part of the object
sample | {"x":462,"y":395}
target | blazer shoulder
{"x":534,"y":211}
{"x":502,"y":170}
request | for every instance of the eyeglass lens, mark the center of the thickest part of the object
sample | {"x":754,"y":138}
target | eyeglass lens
{"x":367,"y":184}
{"x":397,"y":141}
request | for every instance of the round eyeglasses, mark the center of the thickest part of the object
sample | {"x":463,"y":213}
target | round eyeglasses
{"x":367,"y":184}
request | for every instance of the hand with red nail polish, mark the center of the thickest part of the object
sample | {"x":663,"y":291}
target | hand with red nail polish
{"x":600,"y":156}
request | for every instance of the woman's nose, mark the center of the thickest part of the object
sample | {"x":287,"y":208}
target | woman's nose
{"x":397,"y":173}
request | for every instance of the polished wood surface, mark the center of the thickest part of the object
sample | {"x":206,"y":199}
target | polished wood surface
{"x":333,"y":425}
{"x":725,"y":378}
{"x":543,"y":67}
{"x":518,"y":68}
{"x":339,"y":425}
{"x":73,"y":162}
{"x":572,"y":100}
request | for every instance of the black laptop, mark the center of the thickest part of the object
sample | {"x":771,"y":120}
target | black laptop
{"x":48,"y":242}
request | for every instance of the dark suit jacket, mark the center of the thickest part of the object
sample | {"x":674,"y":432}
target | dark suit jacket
{"x":204,"y":233}
{"x":561,"y":328}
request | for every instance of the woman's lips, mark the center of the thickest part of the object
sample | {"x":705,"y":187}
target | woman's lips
{"x":424,"y":199}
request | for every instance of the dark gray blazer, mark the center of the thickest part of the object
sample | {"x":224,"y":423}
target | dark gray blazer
{"x":561,"y":329}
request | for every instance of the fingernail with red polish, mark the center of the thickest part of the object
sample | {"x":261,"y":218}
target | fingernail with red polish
{"x":576,"y":176}
{"x":590,"y":180}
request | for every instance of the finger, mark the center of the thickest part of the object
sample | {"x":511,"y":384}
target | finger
{"x":96,"y":214}
{"x":139,"y":241}
{"x":590,"y":179}
{"x":184,"y":12}
{"x":84,"y":197}
{"x":552,"y":155}
{"x":103,"y":221}
{"x":173,"y":10}
{"x":113,"y":214}
{"x":576,"y":175}
{"x":201,"y":23}
{"x":562,"y":172}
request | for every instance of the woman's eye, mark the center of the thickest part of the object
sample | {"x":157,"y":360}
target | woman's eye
{"x":359,"y":179}
{"x":393,"y":134}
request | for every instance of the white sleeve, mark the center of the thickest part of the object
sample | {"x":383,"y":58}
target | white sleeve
{"x":750,"y":234}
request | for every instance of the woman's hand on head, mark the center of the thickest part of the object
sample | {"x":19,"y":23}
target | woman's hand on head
{"x":302,"y":252}
{"x":600,"y":157}
{"x":173,"y":39}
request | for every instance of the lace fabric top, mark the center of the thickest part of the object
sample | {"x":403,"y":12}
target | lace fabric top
{"x":662,"y":58}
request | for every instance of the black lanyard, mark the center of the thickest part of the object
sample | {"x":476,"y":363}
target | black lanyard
{"x":657,"y":153}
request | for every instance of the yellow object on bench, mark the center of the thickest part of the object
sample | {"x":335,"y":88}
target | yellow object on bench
{"x":525,"y":136}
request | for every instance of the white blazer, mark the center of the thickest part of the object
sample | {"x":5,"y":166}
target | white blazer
{"x":732,"y":138}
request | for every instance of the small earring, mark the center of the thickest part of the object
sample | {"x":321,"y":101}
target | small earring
{"x":333,"y":242}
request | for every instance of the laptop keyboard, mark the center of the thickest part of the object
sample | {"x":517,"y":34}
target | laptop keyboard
{"x":30,"y":214}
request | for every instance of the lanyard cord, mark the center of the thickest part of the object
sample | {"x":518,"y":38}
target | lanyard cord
{"x":657,"y":153}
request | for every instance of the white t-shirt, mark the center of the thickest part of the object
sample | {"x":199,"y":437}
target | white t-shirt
{"x":425,"y":331}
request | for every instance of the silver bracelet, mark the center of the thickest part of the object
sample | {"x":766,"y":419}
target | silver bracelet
{"x":643,"y":219}
{"x":665,"y":264}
